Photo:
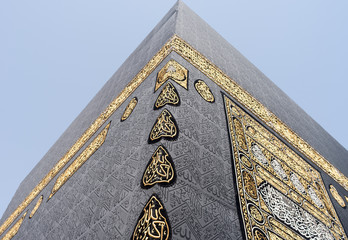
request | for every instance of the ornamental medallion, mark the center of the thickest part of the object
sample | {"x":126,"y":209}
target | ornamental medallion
{"x":169,"y":95}
{"x":164,"y":127}
{"x":152,"y":223}
{"x":203,"y":90}
{"x":160,"y":169}
{"x":172,"y":70}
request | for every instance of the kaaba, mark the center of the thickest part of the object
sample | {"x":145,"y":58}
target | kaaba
{"x":187,"y":140}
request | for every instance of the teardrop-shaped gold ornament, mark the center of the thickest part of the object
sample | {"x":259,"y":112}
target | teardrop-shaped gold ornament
{"x":169,"y":95}
{"x":164,"y":127}
{"x":152,"y":223}
{"x":160,"y":169}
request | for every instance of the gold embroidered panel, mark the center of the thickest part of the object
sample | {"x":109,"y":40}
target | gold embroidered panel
{"x":160,"y":169}
{"x":164,"y":127}
{"x":37,"y":205}
{"x":152,"y":223}
{"x":172,"y":70}
{"x":169,"y":95}
{"x":13,"y":231}
{"x":195,"y":58}
{"x":280,"y":195}
{"x":80,"y":160}
{"x":204,"y":91}
{"x":337,"y":196}
{"x":129,"y":109}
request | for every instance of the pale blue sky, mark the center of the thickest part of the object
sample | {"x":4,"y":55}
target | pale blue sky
{"x":56,"y":55}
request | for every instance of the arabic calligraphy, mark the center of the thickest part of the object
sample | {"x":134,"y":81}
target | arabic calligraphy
{"x":164,"y":127}
{"x":169,"y":95}
{"x":172,"y":70}
{"x":276,"y":184}
{"x":152,"y":223}
{"x":203,"y":90}
{"x":160,"y":169}
{"x":292,"y":215}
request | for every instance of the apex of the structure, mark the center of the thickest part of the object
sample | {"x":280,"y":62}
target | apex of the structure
{"x":185,"y":133}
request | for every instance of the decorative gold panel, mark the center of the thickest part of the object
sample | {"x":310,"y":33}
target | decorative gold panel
{"x":164,"y":127}
{"x":169,"y":95}
{"x":80,"y":160}
{"x":152,"y":223}
{"x":13,"y":231}
{"x":129,"y":109}
{"x":337,"y":196}
{"x":37,"y":205}
{"x":172,"y":70}
{"x":203,"y":90}
{"x":160,"y":169}
{"x":90,"y":131}
{"x":195,"y":58}
{"x":280,"y":194}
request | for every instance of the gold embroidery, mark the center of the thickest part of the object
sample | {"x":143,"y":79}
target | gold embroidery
{"x":273,"y":236}
{"x":160,"y":168}
{"x":182,"y":48}
{"x":165,"y":127}
{"x":256,"y":213}
{"x":266,"y":190}
{"x":240,"y":137}
{"x":80,"y":160}
{"x":259,"y":235}
{"x":203,"y":90}
{"x":249,"y":184}
{"x":129,"y":109}
{"x":152,"y":223}
{"x":168,"y":95}
{"x":172,"y":70}
{"x":337,"y":196}
{"x":231,"y":87}
{"x":93,"y":128}
{"x":13,"y":231}
{"x":37,"y":205}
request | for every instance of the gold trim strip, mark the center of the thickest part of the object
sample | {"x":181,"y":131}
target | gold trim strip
{"x":80,"y":160}
{"x":231,"y":87}
{"x":37,"y":205}
{"x":13,"y":231}
{"x":103,"y":117}
{"x":215,"y":74}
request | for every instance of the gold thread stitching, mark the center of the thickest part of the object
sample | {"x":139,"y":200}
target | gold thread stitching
{"x":215,"y":74}
{"x":172,"y":70}
{"x":37,"y":205}
{"x":13,"y":231}
{"x":168,"y":95}
{"x":152,"y":224}
{"x":129,"y":109}
{"x":249,"y":178}
{"x":204,"y":91}
{"x":337,"y":196}
{"x":160,"y":169}
{"x":80,"y":160}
